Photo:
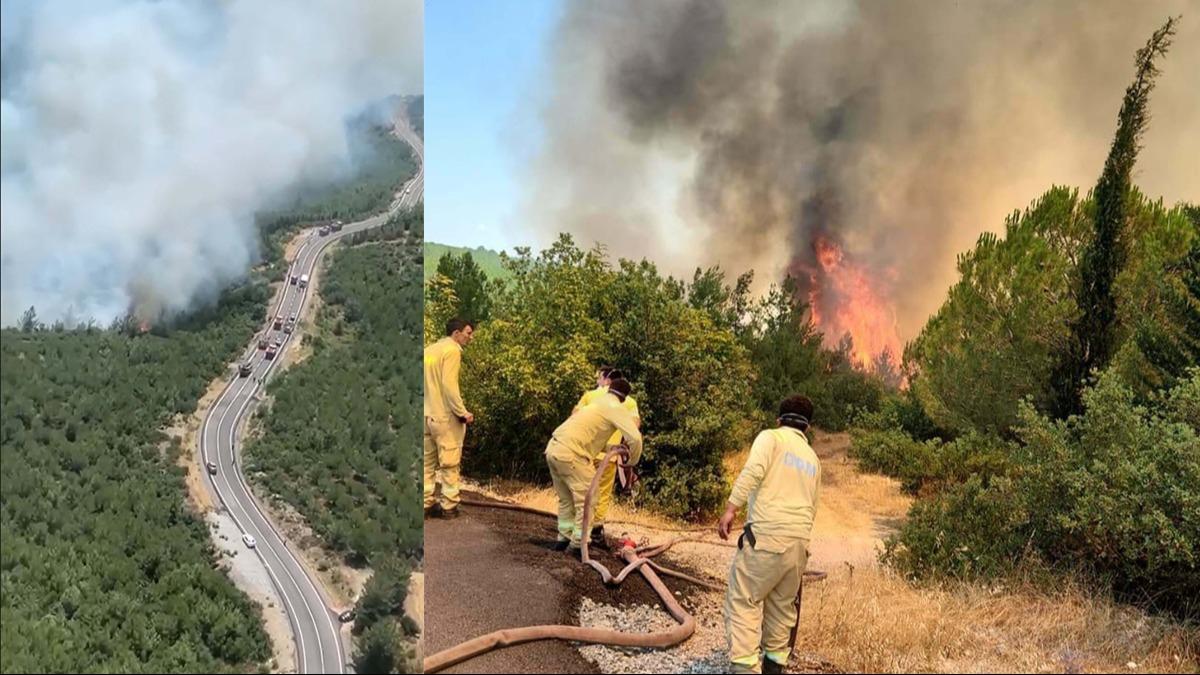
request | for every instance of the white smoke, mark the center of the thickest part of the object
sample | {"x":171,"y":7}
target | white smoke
{"x":139,"y":138}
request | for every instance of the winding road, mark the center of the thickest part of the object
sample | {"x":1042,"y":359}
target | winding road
{"x":315,"y":626}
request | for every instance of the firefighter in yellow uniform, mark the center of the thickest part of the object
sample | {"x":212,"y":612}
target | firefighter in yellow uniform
{"x":571,"y":454}
{"x":779,"y":485}
{"x":446,"y":419}
{"x":604,"y":491}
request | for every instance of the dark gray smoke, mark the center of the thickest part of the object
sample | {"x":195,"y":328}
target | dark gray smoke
{"x":752,"y":133}
{"x":139,"y":138}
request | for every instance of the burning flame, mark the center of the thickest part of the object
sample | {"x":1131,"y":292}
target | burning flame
{"x":845,"y":300}
{"x":143,"y":326}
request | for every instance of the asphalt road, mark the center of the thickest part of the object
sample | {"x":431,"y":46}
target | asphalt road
{"x":314,"y":625}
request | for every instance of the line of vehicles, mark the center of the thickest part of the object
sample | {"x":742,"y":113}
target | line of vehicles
{"x":335,"y":226}
{"x":269,"y":347}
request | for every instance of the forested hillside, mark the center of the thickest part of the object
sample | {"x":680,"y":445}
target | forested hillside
{"x":103,"y":567}
{"x":381,"y":164}
{"x":488,"y":260}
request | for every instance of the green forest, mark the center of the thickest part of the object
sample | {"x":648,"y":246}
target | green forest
{"x":103,"y":568}
{"x":1051,"y":418}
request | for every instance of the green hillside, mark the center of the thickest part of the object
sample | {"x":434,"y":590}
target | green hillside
{"x":487,"y":259}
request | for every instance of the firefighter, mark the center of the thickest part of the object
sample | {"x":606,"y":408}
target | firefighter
{"x":779,"y":485}
{"x":571,"y":454}
{"x":446,"y":418}
{"x":604,"y":495}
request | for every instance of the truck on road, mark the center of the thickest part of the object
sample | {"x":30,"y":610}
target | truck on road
{"x":303,"y":283}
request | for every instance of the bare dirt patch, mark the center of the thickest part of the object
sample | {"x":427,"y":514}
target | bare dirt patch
{"x":187,"y":430}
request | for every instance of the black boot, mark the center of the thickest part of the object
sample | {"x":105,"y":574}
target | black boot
{"x":434,"y":511}
{"x":561,"y":545}
{"x":449,"y":514}
{"x":769,"y":666}
{"x":597,"y":538}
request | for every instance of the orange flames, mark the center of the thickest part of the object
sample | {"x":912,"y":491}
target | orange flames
{"x":845,"y":300}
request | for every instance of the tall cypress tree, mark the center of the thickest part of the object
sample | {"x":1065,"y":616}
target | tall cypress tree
{"x":1093,"y":333}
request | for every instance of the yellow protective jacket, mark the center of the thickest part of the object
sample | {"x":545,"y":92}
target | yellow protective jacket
{"x":442,"y":397}
{"x":781,"y":483}
{"x":588,"y":429}
{"x":593,"y":395}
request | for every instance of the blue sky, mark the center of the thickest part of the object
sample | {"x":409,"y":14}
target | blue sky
{"x":482,"y":64}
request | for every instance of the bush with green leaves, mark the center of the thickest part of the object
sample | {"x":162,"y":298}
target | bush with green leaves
{"x":558,"y":316}
{"x":881,"y":444}
{"x":384,"y":594}
{"x":1114,"y":492}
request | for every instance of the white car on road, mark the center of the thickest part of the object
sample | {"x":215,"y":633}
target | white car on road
{"x":249,"y":539}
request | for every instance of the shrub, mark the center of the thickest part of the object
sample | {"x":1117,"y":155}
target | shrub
{"x":1114,"y":492}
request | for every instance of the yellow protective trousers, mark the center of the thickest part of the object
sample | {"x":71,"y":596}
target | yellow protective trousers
{"x":759,"y":602}
{"x":572,"y":475}
{"x":604,"y":491}
{"x":443,"y":456}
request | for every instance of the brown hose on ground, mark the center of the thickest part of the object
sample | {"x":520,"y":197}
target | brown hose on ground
{"x":630,"y":553}
{"x":515,"y":636}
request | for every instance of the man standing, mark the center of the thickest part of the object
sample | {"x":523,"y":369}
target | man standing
{"x":608,"y":477}
{"x":446,"y":418}
{"x":780,"y":482}
{"x":572,"y":449}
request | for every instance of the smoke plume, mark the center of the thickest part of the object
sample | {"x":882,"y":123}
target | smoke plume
{"x":857,"y":146}
{"x":139,"y":138}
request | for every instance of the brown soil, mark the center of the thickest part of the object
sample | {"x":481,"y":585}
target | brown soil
{"x":187,"y":430}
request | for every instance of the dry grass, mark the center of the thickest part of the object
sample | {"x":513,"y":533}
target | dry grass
{"x":867,"y":619}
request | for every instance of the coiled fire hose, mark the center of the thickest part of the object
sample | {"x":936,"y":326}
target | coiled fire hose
{"x":635,"y":558}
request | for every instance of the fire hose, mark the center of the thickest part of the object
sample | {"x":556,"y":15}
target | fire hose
{"x":635,"y":561}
